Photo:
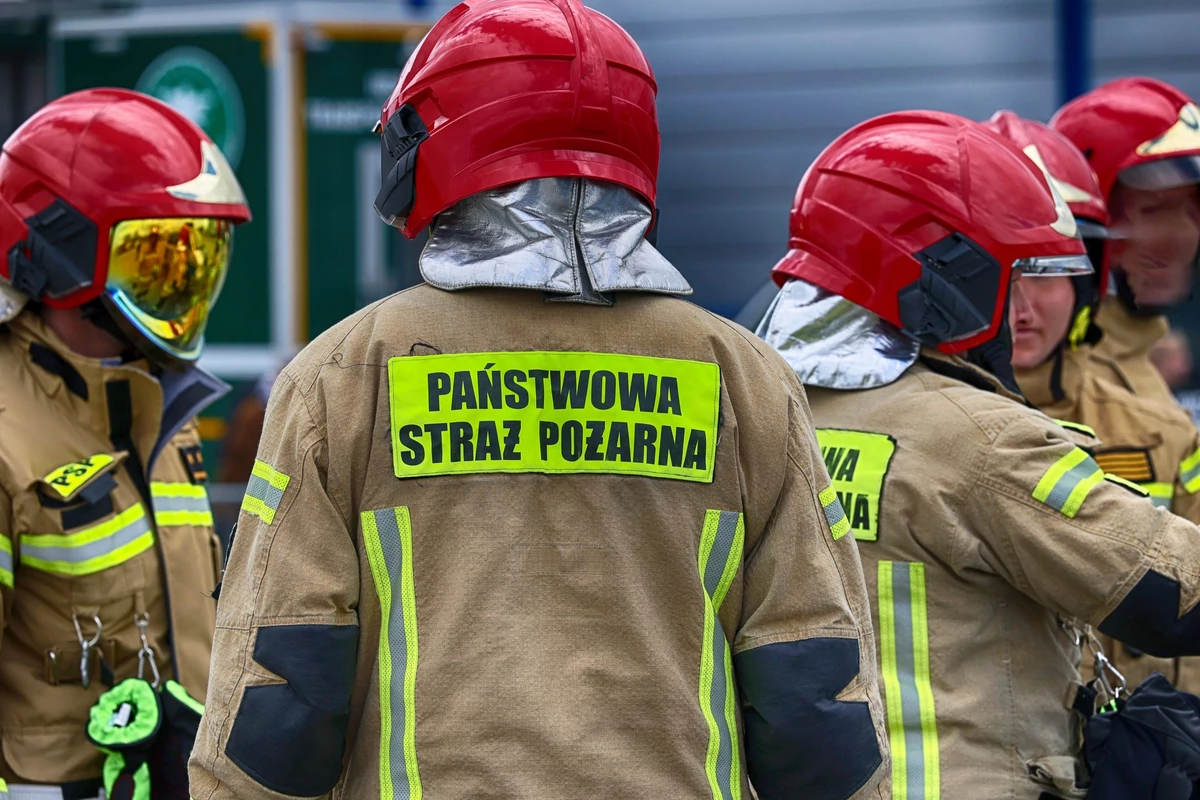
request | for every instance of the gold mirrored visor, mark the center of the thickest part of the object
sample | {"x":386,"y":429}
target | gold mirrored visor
{"x":1053,"y":266}
{"x":164,"y":276}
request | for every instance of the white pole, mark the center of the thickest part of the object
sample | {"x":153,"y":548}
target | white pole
{"x":283,"y":186}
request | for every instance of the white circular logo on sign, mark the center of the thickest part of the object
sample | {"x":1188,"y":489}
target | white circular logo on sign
{"x":198,"y":85}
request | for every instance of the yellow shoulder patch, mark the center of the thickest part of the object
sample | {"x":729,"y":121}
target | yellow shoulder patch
{"x":70,"y":478}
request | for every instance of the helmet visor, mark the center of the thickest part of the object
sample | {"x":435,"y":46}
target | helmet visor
{"x":1053,"y":266}
{"x":164,"y":276}
{"x":1167,"y":173}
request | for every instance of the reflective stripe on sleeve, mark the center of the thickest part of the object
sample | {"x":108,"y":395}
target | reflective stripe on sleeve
{"x":90,"y":550}
{"x":1161,"y":494}
{"x":1189,"y":473}
{"x":835,"y":515}
{"x":904,"y":652}
{"x":180,"y":504}
{"x":1067,"y":484}
{"x":6,"y":561}
{"x":388,"y":537}
{"x":720,"y":554}
{"x":1077,"y":426}
{"x":265,"y":491}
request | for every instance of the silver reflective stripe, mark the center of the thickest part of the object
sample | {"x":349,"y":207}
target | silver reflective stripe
{"x":906,"y":671}
{"x":27,"y":792}
{"x":1161,"y":502}
{"x":6,"y":565}
{"x":260,"y":489}
{"x":834,"y":513}
{"x":100,"y":547}
{"x":1067,"y":483}
{"x":162,"y":504}
{"x":1188,"y":476}
{"x":393,"y":557}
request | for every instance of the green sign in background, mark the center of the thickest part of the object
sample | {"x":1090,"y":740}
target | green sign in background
{"x":346,"y":82}
{"x":242,"y":316}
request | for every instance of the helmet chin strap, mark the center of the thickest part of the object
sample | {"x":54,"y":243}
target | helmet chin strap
{"x":995,"y":355}
{"x":95,"y":312}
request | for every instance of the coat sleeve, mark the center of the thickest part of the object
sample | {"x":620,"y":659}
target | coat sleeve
{"x":284,"y":654}
{"x":804,"y":656}
{"x":1186,"y":502}
{"x":1052,"y":524}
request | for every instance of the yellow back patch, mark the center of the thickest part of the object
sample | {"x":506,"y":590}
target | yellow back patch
{"x":554,"y":412}
{"x":857,"y":463}
{"x":70,"y":478}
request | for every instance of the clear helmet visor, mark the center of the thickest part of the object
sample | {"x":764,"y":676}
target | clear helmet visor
{"x":1053,"y":266}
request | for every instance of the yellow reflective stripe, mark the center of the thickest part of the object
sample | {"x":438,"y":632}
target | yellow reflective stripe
{"x":387,"y":534}
{"x":1189,"y":473}
{"x":165,"y":519}
{"x":835,"y":515}
{"x":180,"y":504}
{"x":91,"y":550}
{"x":265,"y":491}
{"x":721,"y":544}
{"x":6,"y":561}
{"x":1077,"y":426}
{"x":269,"y":474}
{"x":904,"y":651}
{"x":1130,"y":485}
{"x":1161,"y":494}
{"x":164,"y":489}
{"x":1068,"y":482}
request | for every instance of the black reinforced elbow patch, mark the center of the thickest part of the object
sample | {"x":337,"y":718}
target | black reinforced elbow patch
{"x":791,"y":718}
{"x":1148,"y":619}
{"x":290,"y":738}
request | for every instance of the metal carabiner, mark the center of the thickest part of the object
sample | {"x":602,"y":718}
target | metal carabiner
{"x":142,"y":620}
{"x":1105,"y":668}
{"x":86,"y":646}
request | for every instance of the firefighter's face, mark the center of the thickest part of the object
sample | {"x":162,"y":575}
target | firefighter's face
{"x":1039,"y":314}
{"x":1157,"y":235}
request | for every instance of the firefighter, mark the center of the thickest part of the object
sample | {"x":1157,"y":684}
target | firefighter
{"x":1142,"y":138}
{"x":537,"y":528}
{"x":1141,"y":439}
{"x":107,"y":550}
{"x":985,"y":530}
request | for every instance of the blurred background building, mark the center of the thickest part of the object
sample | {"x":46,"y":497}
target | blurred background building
{"x":750,"y":92}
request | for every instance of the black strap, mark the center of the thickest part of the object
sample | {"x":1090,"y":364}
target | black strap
{"x":81,"y":790}
{"x":1056,"y":385}
{"x":120,"y":431}
{"x":58,"y":366}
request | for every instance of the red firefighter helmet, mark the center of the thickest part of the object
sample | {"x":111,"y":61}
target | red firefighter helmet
{"x":503,"y":91}
{"x":1140,"y":131}
{"x":1072,"y":177}
{"x":110,"y":195}
{"x":921,"y":217}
